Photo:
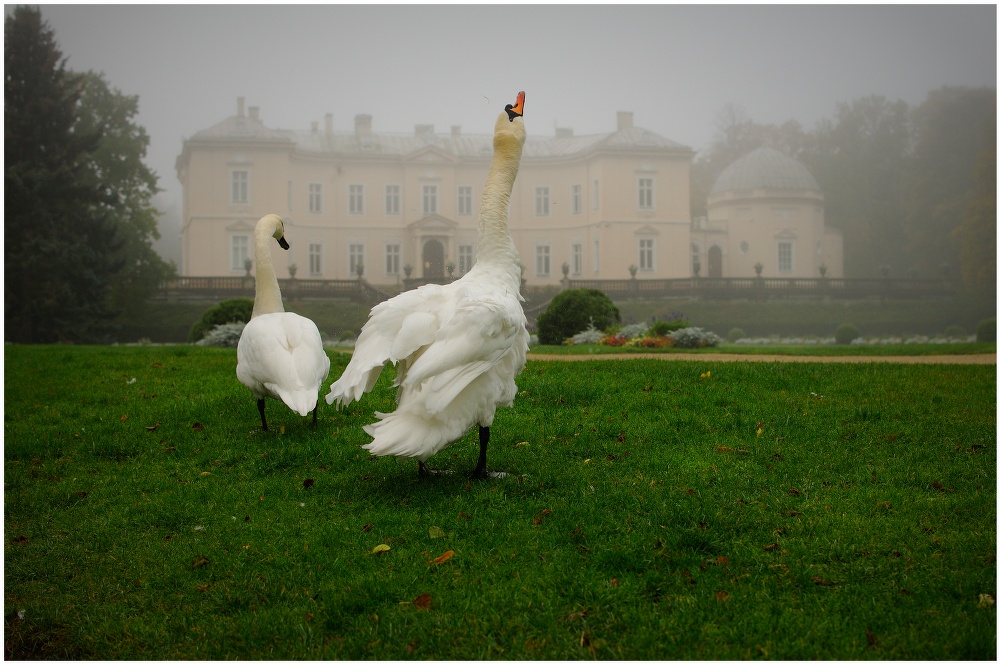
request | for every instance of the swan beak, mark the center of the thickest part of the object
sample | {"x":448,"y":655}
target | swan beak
{"x":517,"y":109}
{"x":283,"y":243}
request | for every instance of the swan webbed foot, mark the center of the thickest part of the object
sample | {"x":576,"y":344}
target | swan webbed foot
{"x":263,"y":420}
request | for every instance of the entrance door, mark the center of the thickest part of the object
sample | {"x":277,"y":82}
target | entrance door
{"x":433,"y":259}
{"x":715,"y":261}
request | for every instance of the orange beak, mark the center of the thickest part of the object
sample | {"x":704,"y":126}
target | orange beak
{"x":517,"y":110}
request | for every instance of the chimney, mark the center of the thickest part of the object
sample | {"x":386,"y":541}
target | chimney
{"x":329,"y":123}
{"x":564,"y":132}
{"x":239,"y":106}
{"x":624,"y":120}
{"x":255,"y":113}
{"x":456,"y":131}
{"x":363,"y":124}
{"x":422,"y":129}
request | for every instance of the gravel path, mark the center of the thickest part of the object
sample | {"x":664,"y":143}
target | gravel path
{"x":735,"y":357}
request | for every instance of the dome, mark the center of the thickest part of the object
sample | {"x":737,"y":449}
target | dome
{"x":765,"y":168}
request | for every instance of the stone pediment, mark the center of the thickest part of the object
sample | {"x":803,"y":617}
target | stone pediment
{"x":646,"y":229}
{"x":431,"y":155}
{"x":240,"y":225}
{"x":433,"y":223}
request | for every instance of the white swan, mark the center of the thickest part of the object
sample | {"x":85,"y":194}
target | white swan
{"x":280,"y":354}
{"x":458,"y":346}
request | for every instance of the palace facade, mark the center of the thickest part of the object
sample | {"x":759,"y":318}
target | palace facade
{"x":391,"y":206}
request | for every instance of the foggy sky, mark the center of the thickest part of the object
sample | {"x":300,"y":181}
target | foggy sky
{"x":674,"y":66}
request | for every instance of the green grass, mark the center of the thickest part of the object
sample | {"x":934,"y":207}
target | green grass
{"x":894,"y":350}
{"x":767,"y":511}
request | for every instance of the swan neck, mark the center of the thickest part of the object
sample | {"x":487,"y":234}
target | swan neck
{"x":267,"y":296}
{"x":495,"y":242}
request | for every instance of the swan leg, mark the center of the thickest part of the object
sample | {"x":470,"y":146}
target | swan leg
{"x":260,"y":407}
{"x":484,"y":440}
{"x":423,"y":470}
{"x":314,"y":416}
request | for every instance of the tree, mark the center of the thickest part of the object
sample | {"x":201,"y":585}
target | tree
{"x":127,"y":187}
{"x":977,"y":235}
{"x":953,"y":126}
{"x":57,"y":267}
{"x":858,"y":159}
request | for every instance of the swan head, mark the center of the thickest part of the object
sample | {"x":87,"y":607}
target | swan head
{"x":511,"y":123}
{"x":278,"y":232}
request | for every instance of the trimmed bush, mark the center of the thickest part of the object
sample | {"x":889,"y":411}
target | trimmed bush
{"x":846,"y":333}
{"x":663,"y":328}
{"x":226,"y":335}
{"x":694,"y":337}
{"x":735,"y":335}
{"x":236,"y":310}
{"x":986,"y":331}
{"x":571,"y":312}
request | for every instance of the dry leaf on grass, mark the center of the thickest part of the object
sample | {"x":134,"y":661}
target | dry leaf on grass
{"x":435,"y":532}
{"x":443,"y":558}
{"x":199,"y":561}
{"x":544,"y":513}
{"x":380,"y":548}
{"x":423,"y":602}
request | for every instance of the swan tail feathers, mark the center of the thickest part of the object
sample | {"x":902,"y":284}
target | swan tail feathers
{"x":410,"y":435}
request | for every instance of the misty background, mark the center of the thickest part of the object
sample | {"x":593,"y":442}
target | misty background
{"x":682,"y":70}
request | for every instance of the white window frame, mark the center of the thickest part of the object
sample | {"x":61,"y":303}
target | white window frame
{"x":576,"y":198}
{"x":542,"y":201}
{"x":393,"y":253}
{"x":647,"y":254}
{"x":543,"y":260}
{"x":315,"y":198}
{"x":786,"y":257}
{"x":596,"y":258}
{"x":645,"y":189}
{"x":576,"y":264}
{"x":356,"y":199}
{"x":596,"y":198}
{"x":239,"y":251}
{"x":392,"y":196}
{"x":429,"y":193}
{"x":355,"y":255}
{"x":315,"y":259}
{"x":464,"y":201}
{"x":466,"y":256}
{"x":239,"y":190}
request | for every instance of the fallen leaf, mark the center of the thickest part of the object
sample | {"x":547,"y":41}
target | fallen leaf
{"x":872,"y":639}
{"x":615,"y":582}
{"x":308,"y":482}
{"x":723,"y":448}
{"x":435,"y":532}
{"x":545,"y":512}
{"x":198,"y":426}
{"x":204,"y":587}
{"x":157,"y":365}
{"x":463,"y":515}
{"x":722,"y":596}
{"x":124,"y":417}
{"x":205,"y":474}
{"x":792,"y":513}
{"x":794,"y":492}
{"x":986,"y":600}
{"x":772,"y":547}
{"x":368,"y":526}
{"x":820,"y":581}
{"x":199,"y":561}
{"x":444,"y":557}
{"x":423,"y":602}
{"x":153,"y":427}
{"x":380,"y":548}
{"x":522,"y":444}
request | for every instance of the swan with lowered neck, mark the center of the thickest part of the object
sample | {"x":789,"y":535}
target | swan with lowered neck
{"x":457,"y":347}
{"x":280,"y":354}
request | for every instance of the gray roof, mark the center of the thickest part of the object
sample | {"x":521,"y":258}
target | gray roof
{"x":765,"y":168}
{"x":241,"y":128}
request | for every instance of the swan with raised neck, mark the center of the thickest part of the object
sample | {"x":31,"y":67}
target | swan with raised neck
{"x":267,"y":294}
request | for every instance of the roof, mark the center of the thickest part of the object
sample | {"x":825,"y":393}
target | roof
{"x":765,"y":168}
{"x":241,"y":128}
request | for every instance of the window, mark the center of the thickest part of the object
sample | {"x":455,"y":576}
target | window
{"x":784,"y":257}
{"x":315,"y":259}
{"x":576,"y":198}
{"x":597,"y":256}
{"x":315,"y":197}
{"x":240,"y":252}
{"x":646,"y":254}
{"x":241,"y":187}
{"x":541,"y":201}
{"x":356,"y":258}
{"x":465,"y":201}
{"x":392,"y":199}
{"x":430,"y":199}
{"x":645,"y":193}
{"x":542,"y":260}
{"x":356,"y":199}
{"x":290,"y":199}
{"x":576,"y":266}
{"x":597,"y":194}
{"x":464,"y":258}
{"x":392,"y":259}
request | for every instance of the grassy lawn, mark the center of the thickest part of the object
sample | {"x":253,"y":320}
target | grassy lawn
{"x":807,"y":351}
{"x":653,"y":511}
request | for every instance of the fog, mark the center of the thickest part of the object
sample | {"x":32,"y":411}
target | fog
{"x":674,"y":66}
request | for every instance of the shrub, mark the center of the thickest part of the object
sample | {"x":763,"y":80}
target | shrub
{"x":846,"y":333}
{"x":986,"y":331}
{"x":236,"y":310}
{"x":664,"y":328}
{"x":632,"y":331}
{"x":571,"y":311}
{"x":226,"y":335}
{"x":589,"y":336}
{"x":693,"y":337}
{"x":735,"y":335}
{"x":652,"y":342}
